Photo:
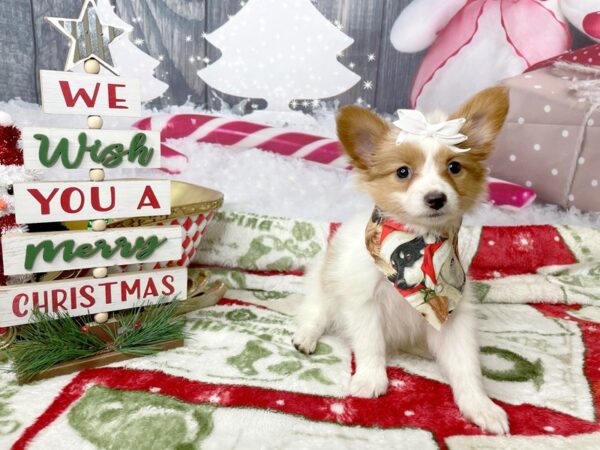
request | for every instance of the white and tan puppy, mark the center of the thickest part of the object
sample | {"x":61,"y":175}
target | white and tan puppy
{"x":426,"y":184}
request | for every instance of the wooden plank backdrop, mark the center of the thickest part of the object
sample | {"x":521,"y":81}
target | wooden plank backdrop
{"x":172,"y":31}
{"x":17,"y":43}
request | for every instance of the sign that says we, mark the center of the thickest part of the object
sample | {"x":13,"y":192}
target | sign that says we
{"x":85,"y":94}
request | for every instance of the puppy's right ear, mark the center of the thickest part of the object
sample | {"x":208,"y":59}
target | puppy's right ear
{"x":360,"y":130}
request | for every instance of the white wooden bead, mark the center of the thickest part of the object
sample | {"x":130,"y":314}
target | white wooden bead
{"x":96,"y":174}
{"x":99,"y":225}
{"x":101,"y":317}
{"x":92,"y":66}
{"x":95,"y":122}
{"x":100,"y":272}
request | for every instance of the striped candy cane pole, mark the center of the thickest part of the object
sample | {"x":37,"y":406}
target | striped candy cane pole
{"x":244,"y":134}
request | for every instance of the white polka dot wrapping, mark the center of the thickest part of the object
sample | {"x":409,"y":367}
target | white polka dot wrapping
{"x":548,"y":141}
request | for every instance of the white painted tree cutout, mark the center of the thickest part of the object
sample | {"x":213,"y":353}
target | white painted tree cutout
{"x":128,"y":58}
{"x":279,"y":50}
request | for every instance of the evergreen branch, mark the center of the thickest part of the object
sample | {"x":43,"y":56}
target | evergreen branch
{"x":157,"y":324}
{"x":55,"y":338}
{"x":50,"y":340}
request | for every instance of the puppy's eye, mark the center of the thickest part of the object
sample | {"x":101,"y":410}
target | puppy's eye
{"x":403,"y":172}
{"x":454,"y":167}
{"x":10,"y":190}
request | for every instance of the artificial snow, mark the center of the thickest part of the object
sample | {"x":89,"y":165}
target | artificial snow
{"x":257,"y":181}
{"x":5,"y":119}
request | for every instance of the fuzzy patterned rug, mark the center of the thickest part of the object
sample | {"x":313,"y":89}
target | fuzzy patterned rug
{"x":239,"y":383}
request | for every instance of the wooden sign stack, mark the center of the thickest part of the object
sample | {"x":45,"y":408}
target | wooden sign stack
{"x":94,"y":200}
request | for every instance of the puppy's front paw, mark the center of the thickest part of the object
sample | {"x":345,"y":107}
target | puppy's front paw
{"x":486,"y":415}
{"x":369,"y":383}
{"x":305,"y":340}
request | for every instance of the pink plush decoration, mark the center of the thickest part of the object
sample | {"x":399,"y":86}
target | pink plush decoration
{"x":585,"y":15}
{"x":477,"y":43}
{"x":591,"y":25}
{"x":239,"y":133}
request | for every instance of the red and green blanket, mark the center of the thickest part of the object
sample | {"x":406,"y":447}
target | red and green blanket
{"x":239,"y":383}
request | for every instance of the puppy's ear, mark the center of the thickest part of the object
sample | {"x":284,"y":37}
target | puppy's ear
{"x":360,"y":130}
{"x":485,"y":113}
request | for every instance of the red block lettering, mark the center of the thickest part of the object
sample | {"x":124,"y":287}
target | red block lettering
{"x":87,"y":294}
{"x":59,"y":297}
{"x":112,"y":97}
{"x":133,"y":290}
{"x":16,"y":305}
{"x":40,"y":300}
{"x":71,"y":100}
{"x":150,"y":289}
{"x":44,"y":202}
{"x":167,"y":282}
{"x":108,"y":291}
{"x":96,"y":199}
{"x":66,"y":203}
{"x":148,"y":199}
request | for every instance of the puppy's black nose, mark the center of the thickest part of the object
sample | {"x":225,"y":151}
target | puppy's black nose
{"x":436,"y":200}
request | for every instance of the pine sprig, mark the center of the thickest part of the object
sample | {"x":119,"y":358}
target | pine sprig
{"x":156,"y":324}
{"x":48,"y":341}
{"x":52,"y":339}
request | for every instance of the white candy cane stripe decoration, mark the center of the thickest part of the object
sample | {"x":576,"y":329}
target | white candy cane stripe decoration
{"x":234,"y":132}
{"x":243,"y":134}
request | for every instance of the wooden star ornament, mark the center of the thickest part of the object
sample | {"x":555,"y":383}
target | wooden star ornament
{"x":89,"y":37}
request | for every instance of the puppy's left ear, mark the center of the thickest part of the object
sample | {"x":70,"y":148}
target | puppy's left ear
{"x":485,"y":113}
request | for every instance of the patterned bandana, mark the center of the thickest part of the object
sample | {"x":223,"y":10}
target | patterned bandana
{"x":425,"y":270}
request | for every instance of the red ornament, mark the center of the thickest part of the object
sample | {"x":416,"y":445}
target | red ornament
{"x":85,"y":329}
{"x":3,"y":331}
{"x":10,"y":153}
{"x":137,"y":325}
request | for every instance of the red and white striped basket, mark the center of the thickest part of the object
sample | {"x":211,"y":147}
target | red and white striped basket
{"x":192,"y":207}
{"x":194,"y":227}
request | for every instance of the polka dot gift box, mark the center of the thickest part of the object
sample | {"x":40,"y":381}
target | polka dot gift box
{"x":551,"y":139}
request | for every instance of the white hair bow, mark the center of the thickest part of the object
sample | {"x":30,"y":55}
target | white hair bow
{"x":413,"y":122}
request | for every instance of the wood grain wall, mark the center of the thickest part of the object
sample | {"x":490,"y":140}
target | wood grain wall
{"x":172,"y":29}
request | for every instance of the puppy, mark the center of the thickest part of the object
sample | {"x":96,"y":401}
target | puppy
{"x":423,"y":174}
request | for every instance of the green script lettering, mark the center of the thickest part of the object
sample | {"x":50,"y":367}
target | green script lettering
{"x":147,"y":247}
{"x":137,"y":150}
{"x":109,"y":156}
{"x":49,"y":252}
{"x":142,"y":249}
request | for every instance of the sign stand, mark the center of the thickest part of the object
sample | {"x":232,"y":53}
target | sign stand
{"x":92,"y":67}
{"x":100,"y":250}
